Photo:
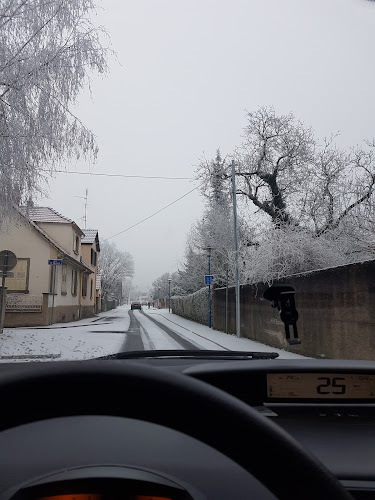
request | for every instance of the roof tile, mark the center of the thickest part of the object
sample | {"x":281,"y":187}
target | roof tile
{"x":90,"y":235}
{"x":45,"y":214}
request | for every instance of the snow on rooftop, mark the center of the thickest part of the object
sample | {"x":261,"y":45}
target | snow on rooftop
{"x":45,"y":214}
{"x":89,"y":235}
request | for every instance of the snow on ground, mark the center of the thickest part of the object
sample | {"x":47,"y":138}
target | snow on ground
{"x":106,"y":334}
{"x":83,"y":339}
{"x":152,"y":336}
{"x":207,"y":338}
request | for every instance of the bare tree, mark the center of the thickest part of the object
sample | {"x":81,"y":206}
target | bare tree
{"x":48,"y":48}
{"x":273,"y":163}
{"x":114,"y":266}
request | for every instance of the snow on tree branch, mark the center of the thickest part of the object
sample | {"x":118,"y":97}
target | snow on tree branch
{"x":114,"y":266}
{"x":48,"y":49}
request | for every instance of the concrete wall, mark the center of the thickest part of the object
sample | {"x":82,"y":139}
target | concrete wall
{"x":64,"y":314}
{"x":335,"y":306}
{"x":87,"y":311}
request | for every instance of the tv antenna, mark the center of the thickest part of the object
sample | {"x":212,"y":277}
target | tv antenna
{"x":84,"y":218}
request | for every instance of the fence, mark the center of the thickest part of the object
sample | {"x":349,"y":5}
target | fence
{"x":16,"y":302}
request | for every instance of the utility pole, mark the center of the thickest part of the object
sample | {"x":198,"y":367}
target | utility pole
{"x":238,"y":319}
{"x":169,"y":294}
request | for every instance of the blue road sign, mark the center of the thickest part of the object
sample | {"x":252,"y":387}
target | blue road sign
{"x":55,"y":262}
{"x":208,"y":279}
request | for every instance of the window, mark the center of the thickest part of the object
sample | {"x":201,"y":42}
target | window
{"x":91,"y":288}
{"x":18,"y":281}
{"x":75,"y":243}
{"x":84,"y":285}
{"x":74,"y":282}
{"x":64,"y":280}
{"x":93,"y":257}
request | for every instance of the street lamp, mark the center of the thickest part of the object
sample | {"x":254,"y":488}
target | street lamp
{"x":208,"y":250}
{"x":169,"y":294}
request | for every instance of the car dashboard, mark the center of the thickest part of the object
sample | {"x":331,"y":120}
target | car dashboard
{"x":328,"y":406}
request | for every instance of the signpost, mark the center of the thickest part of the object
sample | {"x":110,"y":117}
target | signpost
{"x":54,"y":263}
{"x":8,"y":261}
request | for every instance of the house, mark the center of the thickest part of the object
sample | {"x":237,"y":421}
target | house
{"x":90,"y":248}
{"x":39,"y":293}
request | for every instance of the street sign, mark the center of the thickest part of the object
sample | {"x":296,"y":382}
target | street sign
{"x":208,"y":279}
{"x":55,"y":262}
{"x":8,"y":260}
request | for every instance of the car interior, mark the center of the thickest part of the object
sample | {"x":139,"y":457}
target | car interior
{"x":171,"y":426}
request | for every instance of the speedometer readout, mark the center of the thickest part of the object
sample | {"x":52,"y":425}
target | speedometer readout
{"x":320,"y":386}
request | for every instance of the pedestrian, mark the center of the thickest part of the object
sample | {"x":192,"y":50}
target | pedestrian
{"x":153,"y":304}
{"x":148,"y":305}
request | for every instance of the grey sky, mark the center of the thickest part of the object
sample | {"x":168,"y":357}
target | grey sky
{"x":189,"y":70}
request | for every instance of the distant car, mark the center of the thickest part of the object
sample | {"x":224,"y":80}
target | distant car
{"x":135,"y":305}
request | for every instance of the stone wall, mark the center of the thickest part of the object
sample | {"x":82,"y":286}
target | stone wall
{"x":335,"y":307}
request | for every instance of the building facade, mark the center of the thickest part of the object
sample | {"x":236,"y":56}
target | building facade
{"x":39,"y":293}
{"x":90,"y":249}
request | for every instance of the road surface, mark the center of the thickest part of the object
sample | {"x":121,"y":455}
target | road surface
{"x":119,"y":330}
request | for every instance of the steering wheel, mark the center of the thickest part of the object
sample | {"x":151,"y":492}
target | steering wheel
{"x":177,"y":402}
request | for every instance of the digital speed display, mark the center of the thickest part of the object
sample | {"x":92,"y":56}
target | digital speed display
{"x":320,"y":386}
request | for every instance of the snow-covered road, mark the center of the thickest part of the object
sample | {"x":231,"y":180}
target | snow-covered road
{"x":115,"y":331}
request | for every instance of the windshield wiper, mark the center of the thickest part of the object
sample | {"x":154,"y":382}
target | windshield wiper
{"x":192,"y":354}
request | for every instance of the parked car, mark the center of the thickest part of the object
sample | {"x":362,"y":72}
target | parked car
{"x":136,"y":305}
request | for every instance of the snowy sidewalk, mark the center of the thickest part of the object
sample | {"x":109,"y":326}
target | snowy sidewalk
{"x":83,"y":339}
{"x":207,"y":338}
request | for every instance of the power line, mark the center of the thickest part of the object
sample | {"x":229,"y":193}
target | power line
{"x":116,"y":175}
{"x":152,"y":215}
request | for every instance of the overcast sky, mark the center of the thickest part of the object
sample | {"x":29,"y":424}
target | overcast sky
{"x":187,"y":71}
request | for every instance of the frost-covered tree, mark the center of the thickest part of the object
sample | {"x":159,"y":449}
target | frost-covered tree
{"x":216,"y":228}
{"x":313,"y":189}
{"x":114,"y":266}
{"x":160,"y":287}
{"x":48,"y":49}
{"x":190,"y":276}
{"x":287,"y":250}
{"x":212,"y":173}
{"x":273,"y":163}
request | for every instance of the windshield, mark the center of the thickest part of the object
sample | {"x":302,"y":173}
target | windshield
{"x":186,"y":176}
